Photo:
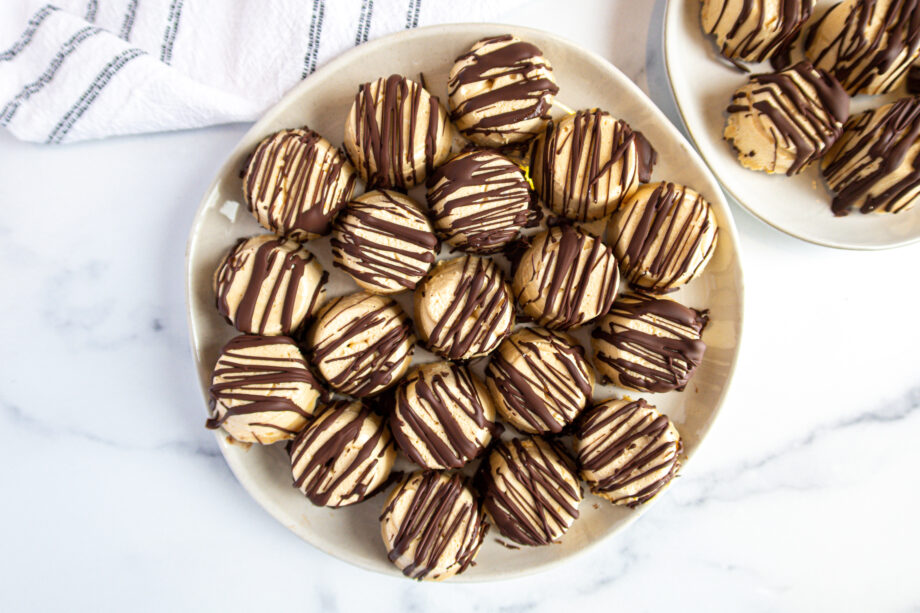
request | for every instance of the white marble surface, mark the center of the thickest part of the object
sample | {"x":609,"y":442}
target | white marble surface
{"x":115,"y":497}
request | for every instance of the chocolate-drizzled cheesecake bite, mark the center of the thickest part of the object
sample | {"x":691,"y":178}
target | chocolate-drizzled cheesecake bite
{"x":396,"y":133}
{"x":295,"y":182}
{"x":649,"y":344}
{"x":627,"y":451}
{"x":585,"y":164}
{"x":501,"y":91}
{"x":874,"y":166}
{"x":384,"y":241}
{"x":431,"y":526}
{"x":783,"y":121}
{"x":463,"y":308}
{"x":361,"y":343}
{"x":867,"y":44}
{"x":268,"y":285}
{"x":540,"y":380}
{"x":663,"y":236}
{"x":531,"y":491}
{"x":343,"y":456}
{"x":443,"y":416}
{"x":479,"y":201}
{"x":262,"y":390}
{"x":565,"y":278}
{"x":754,"y":30}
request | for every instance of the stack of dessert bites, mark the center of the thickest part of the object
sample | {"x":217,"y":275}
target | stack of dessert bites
{"x":783,"y":121}
{"x":335,"y":377}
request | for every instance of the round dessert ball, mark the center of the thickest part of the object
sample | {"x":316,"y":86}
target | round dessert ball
{"x":585,"y":164}
{"x":540,"y":380}
{"x":531,"y":491}
{"x":384,"y":241}
{"x":754,"y":31}
{"x":295,"y":182}
{"x":463,"y":308}
{"x":663,"y":236}
{"x":566,"y":278}
{"x":343,"y":456}
{"x":431,"y":525}
{"x":783,"y":121}
{"x":627,"y":450}
{"x":262,"y":390}
{"x":443,"y":416}
{"x":361,"y":343}
{"x":268,"y":285}
{"x":868,"y":46}
{"x":480,"y":201}
{"x":501,"y":91}
{"x":396,"y":133}
{"x":649,"y":344}
{"x":873,"y":166}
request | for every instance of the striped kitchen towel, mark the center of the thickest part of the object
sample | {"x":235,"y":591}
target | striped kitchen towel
{"x":83,"y":69}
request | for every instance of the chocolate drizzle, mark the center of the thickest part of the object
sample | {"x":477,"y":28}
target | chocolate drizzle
{"x":531,"y":491}
{"x":665,"y":237}
{"x":295,"y":182}
{"x":443,"y":416}
{"x":343,"y":456}
{"x":875,"y":165}
{"x":627,"y":451}
{"x":387,"y":118}
{"x":566,"y":278}
{"x":584,"y":159}
{"x":806,"y":122}
{"x":871,"y":48}
{"x":478,"y":313}
{"x":247,"y":384}
{"x":480,"y":201}
{"x":499,"y":111}
{"x":649,"y":344}
{"x":541,"y":378}
{"x":272,"y":271}
{"x":438,"y":526}
{"x":384,"y":255}
{"x":362,"y":343}
{"x":749,"y":37}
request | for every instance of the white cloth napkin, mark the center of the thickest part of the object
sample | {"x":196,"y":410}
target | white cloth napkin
{"x":83,"y":69}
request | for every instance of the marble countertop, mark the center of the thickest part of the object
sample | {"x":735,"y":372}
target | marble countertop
{"x":115,"y":497}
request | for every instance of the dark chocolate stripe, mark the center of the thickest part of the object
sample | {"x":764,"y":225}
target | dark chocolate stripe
{"x":315,"y":34}
{"x":71,"y":45}
{"x":172,"y":28}
{"x":92,"y":92}
{"x":91,"y":7}
{"x":412,"y":14}
{"x":37,"y":19}
{"x":364,"y":21}
{"x":792,"y":14}
{"x":128,"y":22}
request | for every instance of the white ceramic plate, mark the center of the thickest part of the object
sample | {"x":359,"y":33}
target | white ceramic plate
{"x":800,"y":205}
{"x":322,"y":102}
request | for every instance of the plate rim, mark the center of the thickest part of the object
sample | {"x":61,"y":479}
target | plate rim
{"x":671,"y":15}
{"x":346,"y":57}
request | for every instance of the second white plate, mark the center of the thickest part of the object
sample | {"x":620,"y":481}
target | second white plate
{"x":800,"y":205}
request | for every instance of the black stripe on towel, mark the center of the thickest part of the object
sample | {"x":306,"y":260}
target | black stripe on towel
{"x":37,"y":19}
{"x":72,"y":44}
{"x":92,"y":92}
{"x":415,"y":6}
{"x":91,"y":7}
{"x":316,"y":30}
{"x":172,"y":27}
{"x":364,"y":21}
{"x":128,"y":23}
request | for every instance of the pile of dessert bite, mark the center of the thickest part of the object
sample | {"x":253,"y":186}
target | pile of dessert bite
{"x":276,"y":381}
{"x":783,"y":121}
